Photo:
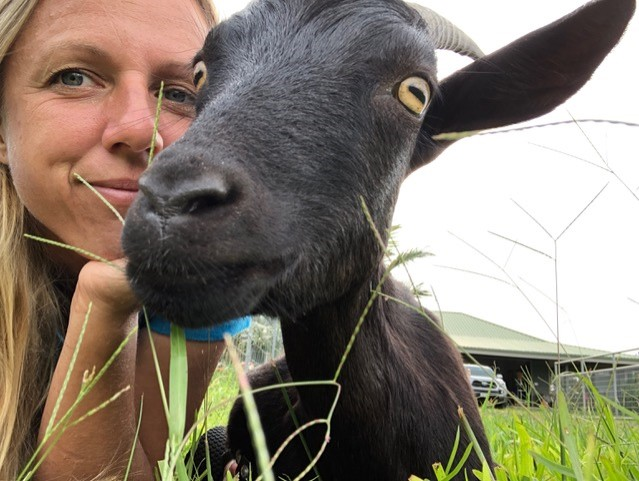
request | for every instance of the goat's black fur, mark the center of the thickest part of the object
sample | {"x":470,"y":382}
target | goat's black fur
{"x":257,"y":209}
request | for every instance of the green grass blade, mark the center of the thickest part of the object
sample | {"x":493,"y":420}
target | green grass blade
{"x":460,"y":465}
{"x":135,"y":441}
{"x":156,"y":123}
{"x":553,"y":466}
{"x":178,"y":384}
{"x":181,"y":472}
{"x":526,"y":464}
{"x":291,"y":411}
{"x":78,"y":250}
{"x":453,"y":451}
{"x":67,"y":376}
{"x":255,"y":426}
{"x":570,"y":436}
{"x":474,"y":443}
{"x":100,"y":196}
{"x":156,"y":364}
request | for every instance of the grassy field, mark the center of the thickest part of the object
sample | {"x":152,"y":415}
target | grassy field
{"x":529,"y":444}
{"x":556,"y":444}
{"x":222,"y":391}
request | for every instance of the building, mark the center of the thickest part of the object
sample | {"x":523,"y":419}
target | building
{"x":510,"y":351}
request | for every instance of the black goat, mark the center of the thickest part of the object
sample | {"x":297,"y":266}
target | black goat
{"x":305,"y":107}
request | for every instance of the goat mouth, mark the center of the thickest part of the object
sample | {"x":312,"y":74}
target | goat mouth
{"x":192,"y":295}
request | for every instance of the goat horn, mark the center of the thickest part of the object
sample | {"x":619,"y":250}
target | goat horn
{"x":446,"y":35}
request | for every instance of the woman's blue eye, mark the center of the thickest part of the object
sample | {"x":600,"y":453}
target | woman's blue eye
{"x":71,"y":78}
{"x":178,"y":96}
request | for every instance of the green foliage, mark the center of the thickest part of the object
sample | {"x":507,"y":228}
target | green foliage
{"x":174,"y":461}
{"x":530,"y":444}
{"x":557,"y":444}
{"x":220,"y":396}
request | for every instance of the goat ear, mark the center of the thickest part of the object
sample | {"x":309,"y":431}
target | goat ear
{"x":525,"y":79}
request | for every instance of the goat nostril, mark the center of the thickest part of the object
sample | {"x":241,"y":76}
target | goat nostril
{"x":209,"y":195}
{"x":202,"y":202}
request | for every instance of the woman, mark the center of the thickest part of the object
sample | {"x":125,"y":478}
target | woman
{"x":79,"y":87}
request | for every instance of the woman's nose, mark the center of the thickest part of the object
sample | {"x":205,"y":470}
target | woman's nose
{"x":131,"y":110}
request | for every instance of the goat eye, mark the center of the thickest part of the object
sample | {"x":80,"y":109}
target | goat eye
{"x":414,"y":94}
{"x":199,"y":75}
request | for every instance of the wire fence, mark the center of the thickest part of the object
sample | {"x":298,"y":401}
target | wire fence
{"x":260,"y":343}
{"x":615,"y":378}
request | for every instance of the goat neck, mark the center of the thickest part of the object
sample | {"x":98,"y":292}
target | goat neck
{"x":397,"y":356}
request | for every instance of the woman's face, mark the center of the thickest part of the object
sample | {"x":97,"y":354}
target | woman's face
{"x":79,"y":96}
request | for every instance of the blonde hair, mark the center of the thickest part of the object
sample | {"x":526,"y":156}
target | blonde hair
{"x":31,"y":313}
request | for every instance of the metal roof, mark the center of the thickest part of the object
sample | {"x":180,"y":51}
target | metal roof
{"x":477,"y":336}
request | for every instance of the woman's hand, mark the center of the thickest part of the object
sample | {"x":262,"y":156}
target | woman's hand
{"x":107,"y":288}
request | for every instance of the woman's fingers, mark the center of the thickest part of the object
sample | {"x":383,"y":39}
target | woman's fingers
{"x":107,"y":288}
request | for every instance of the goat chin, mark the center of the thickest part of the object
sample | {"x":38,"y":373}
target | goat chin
{"x":279,"y":197}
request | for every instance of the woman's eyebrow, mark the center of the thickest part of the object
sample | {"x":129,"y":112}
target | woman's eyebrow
{"x":169,"y":69}
{"x":75,"y":48}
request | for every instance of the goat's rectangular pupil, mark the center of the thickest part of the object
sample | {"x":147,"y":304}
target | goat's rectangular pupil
{"x":417,"y":93}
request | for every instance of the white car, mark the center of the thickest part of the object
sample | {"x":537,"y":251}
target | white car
{"x":487,"y":384}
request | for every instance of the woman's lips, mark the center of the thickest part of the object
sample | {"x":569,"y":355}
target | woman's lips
{"x":118,"y":192}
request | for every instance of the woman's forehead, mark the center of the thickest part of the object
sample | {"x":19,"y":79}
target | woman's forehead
{"x":132,"y":23}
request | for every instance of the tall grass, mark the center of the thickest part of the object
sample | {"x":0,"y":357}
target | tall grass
{"x":556,"y":444}
{"x":529,"y":444}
